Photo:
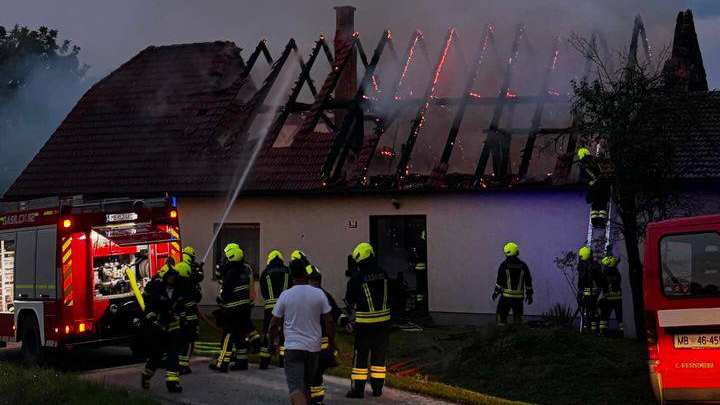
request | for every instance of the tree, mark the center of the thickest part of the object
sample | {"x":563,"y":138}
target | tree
{"x":624,"y":111}
{"x":40,"y":80}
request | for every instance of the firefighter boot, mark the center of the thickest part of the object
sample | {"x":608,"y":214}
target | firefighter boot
{"x":317,"y":395}
{"x":357,"y":383}
{"x":377,"y":379}
{"x":254,"y":341}
{"x":172,"y":382}
{"x":240,"y":360}
{"x":265,"y":358}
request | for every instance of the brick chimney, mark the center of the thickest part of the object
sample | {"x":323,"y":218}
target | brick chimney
{"x":347,"y":84}
{"x":684,"y":71}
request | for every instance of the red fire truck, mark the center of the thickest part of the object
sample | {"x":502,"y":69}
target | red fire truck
{"x":63,"y":269}
{"x":682,"y":303}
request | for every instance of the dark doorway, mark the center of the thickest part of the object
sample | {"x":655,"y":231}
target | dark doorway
{"x":245,"y":235}
{"x":400,"y":245}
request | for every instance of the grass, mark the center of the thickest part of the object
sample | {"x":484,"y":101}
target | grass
{"x":510,"y":365}
{"x":35,"y":386}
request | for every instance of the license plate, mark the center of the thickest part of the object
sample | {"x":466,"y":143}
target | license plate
{"x":698,"y":341}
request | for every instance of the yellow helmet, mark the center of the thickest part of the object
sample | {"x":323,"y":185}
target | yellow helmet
{"x":609,"y":261}
{"x":363,"y":251}
{"x":183,"y":269}
{"x":584,"y":253}
{"x":511,"y":249}
{"x":189,"y":250}
{"x":310,"y":269}
{"x":275,"y":254}
{"x":582,"y":152}
{"x":233,"y":252}
{"x":166,"y":268}
{"x":297,"y":255}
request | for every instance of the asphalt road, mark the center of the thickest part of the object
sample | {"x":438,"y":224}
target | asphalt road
{"x":252,"y":387}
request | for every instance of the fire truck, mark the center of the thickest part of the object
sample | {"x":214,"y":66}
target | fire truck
{"x":682,"y":304}
{"x":65,"y":269}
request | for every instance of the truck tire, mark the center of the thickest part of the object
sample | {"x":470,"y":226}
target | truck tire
{"x":32,"y":349}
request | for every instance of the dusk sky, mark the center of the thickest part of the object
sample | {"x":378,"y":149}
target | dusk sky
{"x":111,"y":32}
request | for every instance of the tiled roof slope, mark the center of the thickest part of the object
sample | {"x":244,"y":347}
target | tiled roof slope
{"x":148,"y":127}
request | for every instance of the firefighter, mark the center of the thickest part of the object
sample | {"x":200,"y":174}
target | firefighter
{"x":275,"y":279}
{"x":513,"y":285}
{"x":612,"y":295}
{"x":367,"y":296}
{"x":235,"y":306}
{"x":188,"y":313}
{"x":418,"y":261}
{"x":588,"y":289}
{"x":328,"y":355}
{"x":162,"y":297}
{"x":598,"y":187}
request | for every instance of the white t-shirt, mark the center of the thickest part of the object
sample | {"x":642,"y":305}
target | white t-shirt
{"x":301,"y":307}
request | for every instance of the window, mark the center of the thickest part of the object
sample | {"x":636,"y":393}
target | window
{"x":690,"y":264}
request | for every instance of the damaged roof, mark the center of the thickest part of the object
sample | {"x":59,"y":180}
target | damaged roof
{"x":183,"y":119}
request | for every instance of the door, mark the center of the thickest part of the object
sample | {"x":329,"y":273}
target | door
{"x":45,"y":267}
{"x":7,"y":271}
{"x":25,"y":255}
{"x":401,"y":248}
{"x":245,"y":235}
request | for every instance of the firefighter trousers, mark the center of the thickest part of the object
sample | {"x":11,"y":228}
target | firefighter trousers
{"x":607,"y":307}
{"x":599,"y":198}
{"x":505,"y":305}
{"x":317,"y":389}
{"x":164,"y":342}
{"x":589,"y":312}
{"x":371,"y":342}
{"x":189,"y":331}
{"x":265,"y":355}
{"x":236,"y":327}
{"x":421,"y":290}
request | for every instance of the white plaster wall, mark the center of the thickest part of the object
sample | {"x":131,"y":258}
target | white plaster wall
{"x":466,"y":233}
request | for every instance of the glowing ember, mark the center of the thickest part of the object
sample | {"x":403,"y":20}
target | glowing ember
{"x":386,"y":151}
{"x":411,"y":52}
{"x":509,"y":94}
{"x":474,"y":95}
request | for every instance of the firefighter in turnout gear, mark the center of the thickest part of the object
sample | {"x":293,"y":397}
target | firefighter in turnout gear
{"x":189,"y":282}
{"x":275,"y":279}
{"x":328,"y":355}
{"x":162,"y":299}
{"x":612,"y":295}
{"x":598,"y":187}
{"x":418,"y":261}
{"x":588,"y":289}
{"x":234,"y":314}
{"x":513,"y":285}
{"x":367,"y":295}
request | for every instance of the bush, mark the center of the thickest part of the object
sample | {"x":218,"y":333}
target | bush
{"x":559,"y":315}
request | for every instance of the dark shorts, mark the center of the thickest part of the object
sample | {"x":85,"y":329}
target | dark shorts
{"x":300,"y":369}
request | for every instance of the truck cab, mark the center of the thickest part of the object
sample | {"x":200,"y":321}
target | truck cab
{"x":682,"y":304}
{"x":66,"y":267}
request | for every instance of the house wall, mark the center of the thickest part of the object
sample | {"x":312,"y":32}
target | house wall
{"x":466,"y":233}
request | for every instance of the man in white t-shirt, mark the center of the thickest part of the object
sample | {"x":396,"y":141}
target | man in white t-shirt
{"x":299,"y":311}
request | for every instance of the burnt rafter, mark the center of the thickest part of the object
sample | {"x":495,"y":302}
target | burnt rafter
{"x":495,"y":137}
{"x":354,"y":117}
{"x":539,"y":109}
{"x":303,"y":78}
{"x":261,"y":48}
{"x":441,"y":169}
{"x":639,"y":34}
{"x":419,"y":120}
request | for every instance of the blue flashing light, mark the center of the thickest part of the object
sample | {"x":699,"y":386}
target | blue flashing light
{"x":173,"y":201}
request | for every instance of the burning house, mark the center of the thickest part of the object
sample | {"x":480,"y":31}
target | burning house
{"x":345,"y":146}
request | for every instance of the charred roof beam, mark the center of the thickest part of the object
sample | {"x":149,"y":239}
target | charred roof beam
{"x":261,"y":48}
{"x":354,"y":117}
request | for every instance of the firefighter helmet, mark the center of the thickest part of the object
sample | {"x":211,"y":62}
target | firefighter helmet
{"x":582,"y":152}
{"x":183,"y":269}
{"x":312,"y":271}
{"x":363,"y":251}
{"x":275,"y":254}
{"x":584,"y":253}
{"x":189,"y":250}
{"x":233,"y":252}
{"x":298,"y":255}
{"x":511,"y":249}
{"x":167,"y":270}
{"x":609,"y":261}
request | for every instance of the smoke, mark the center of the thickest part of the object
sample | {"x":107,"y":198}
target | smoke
{"x":31,"y":112}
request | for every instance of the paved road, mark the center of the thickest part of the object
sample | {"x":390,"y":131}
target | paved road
{"x":252,"y":387}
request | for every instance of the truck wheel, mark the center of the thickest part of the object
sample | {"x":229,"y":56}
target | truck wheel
{"x":32,"y":349}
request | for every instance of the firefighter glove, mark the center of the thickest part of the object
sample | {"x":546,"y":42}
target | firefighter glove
{"x":495,"y":295}
{"x":529,"y":299}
